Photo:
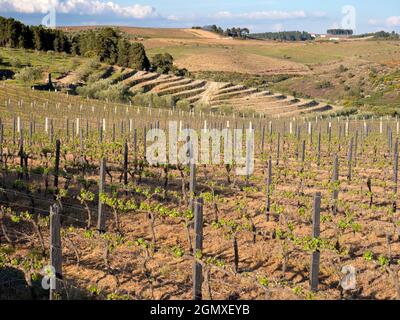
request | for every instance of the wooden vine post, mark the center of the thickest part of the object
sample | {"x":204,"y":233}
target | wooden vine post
{"x":1,"y":141}
{"x":100,"y":134}
{"x":268,"y":195}
{"x":101,"y":225}
{"x":55,"y":252}
{"x":30,"y":133}
{"x":355,"y":149}
{"x":278,"y":149}
{"x":57,"y":165}
{"x":395,"y":179}
{"x":329,"y":136}
{"x":319,"y":148}
{"x":51,"y":131}
{"x":113,"y":133}
{"x":192,"y":177}
{"x":14,"y":130}
{"x":126,"y":152}
{"x":135,"y":146}
{"x":198,"y":248}
{"x":349,"y":159}
{"x":144,"y":144}
{"x":335,"y":180}
{"x":315,"y":257}
{"x":262,"y":140}
{"x":303,"y":155}
{"x":21,"y":156}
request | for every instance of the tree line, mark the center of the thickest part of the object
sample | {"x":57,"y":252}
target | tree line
{"x":381,"y":35}
{"x":283,"y":36}
{"x":340,"y":32}
{"x":234,"y":32}
{"x":109,"y":45}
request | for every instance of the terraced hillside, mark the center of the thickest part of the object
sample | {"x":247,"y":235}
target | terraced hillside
{"x":217,"y":95}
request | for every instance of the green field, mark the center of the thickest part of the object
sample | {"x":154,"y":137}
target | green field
{"x":50,"y":62}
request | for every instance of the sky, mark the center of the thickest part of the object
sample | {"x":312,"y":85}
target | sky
{"x":258,"y":15}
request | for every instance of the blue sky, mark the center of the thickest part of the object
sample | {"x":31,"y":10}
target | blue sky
{"x":257,"y":15}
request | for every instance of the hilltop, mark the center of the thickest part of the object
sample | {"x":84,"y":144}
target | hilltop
{"x":362,"y":74}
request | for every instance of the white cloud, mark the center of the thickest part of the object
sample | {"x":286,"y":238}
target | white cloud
{"x":393,"y":21}
{"x":319,"y":14}
{"x":271,"y":15}
{"x":278,"y":27}
{"x":173,"y":17}
{"x":373,"y":22}
{"x":335,"y":25}
{"x":88,"y":7}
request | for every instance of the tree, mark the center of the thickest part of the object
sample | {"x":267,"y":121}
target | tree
{"x":123,"y":52}
{"x":245,"y":32}
{"x":137,"y":57}
{"x":74,"y":43}
{"x":284,"y":35}
{"x":106,"y":43}
{"x":38,"y":38}
{"x":28,"y":75}
{"x":163,"y":63}
{"x":346,"y":32}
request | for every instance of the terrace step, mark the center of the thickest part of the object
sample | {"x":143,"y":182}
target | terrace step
{"x":123,"y":76}
{"x":148,"y":85}
{"x":231,"y":88}
{"x":185,"y":87}
{"x":196,"y":98}
{"x":189,"y":93}
{"x":139,"y":77}
{"x":171,"y":83}
{"x":240,"y":93}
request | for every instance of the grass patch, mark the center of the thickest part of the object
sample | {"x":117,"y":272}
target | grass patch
{"x":249,"y":80}
{"x":57,"y":64}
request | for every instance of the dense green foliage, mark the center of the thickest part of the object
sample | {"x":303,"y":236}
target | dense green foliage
{"x":162,"y":63}
{"x":103,"y":89}
{"x":107,"y":44}
{"x":340,"y":32}
{"x":381,"y":35}
{"x":261,"y":82}
{"x":386,"y":35}
{"x":284,"y":35}
{"x":230,"y":32}
{"x":15,"y":34}
{"x":29,"y":74}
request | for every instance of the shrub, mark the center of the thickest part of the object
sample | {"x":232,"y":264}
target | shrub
{"x":116,"y":93}
{"x":88,"y":68}
{"x":183,"y":105}
{"x":104,"y":89}
{"x":153,"y":100}
{"x":29,"y":74}
{"x":162,"y":63}
{"x":324,"y":85}
{"x":75,"y":63}
{"x":15,"y":62}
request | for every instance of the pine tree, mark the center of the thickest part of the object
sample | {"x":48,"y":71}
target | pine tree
{"x":123,"y":53}
{"x":137,"y":57}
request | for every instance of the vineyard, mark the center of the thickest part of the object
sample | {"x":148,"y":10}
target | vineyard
{"x":214,"y":95}
{"x":317,"y":219}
